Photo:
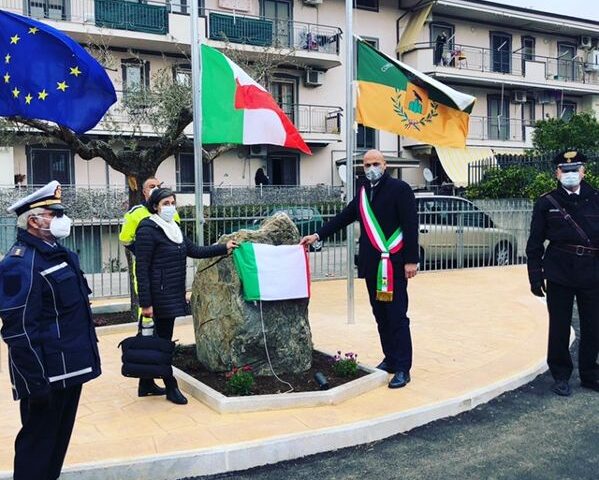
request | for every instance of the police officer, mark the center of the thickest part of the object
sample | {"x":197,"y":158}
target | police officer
{"x":569,"y":267}
{"x":47,"y":324}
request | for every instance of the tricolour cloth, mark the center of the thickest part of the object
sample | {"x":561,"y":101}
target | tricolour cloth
{"x":387,"y":247}
{"x":272,"y":272}
{"x":236,"y":109}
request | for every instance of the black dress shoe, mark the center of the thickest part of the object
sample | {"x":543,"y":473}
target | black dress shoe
{"x":561,"y":388}
{"x":173,"y":393}
{"x":148,"y":388}
{"x":590,"y":384}
{"x":383,"y":366}
{"x":400,"y":379}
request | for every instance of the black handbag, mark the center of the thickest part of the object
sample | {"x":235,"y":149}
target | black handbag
{"x":147,"y":356}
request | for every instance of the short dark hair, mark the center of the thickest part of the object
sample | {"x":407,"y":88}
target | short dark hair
{"x":156,"y":196}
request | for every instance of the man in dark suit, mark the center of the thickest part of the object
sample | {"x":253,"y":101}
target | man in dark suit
{"x":569,"y":267}
{"x":388,"y":257}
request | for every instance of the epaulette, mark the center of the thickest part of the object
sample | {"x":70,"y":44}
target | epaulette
{"x":132,"y":209}
{"x":17,"y":251}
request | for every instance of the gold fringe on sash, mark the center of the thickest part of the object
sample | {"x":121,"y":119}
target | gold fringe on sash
{"x":384,"y":296}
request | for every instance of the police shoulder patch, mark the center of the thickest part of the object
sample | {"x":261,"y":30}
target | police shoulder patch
{"x":17,"y":251}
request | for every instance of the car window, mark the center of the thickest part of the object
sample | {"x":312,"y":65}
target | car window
{"x":437,"y":211}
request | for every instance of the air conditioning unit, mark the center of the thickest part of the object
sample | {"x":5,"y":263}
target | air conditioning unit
{"x":592,"y":63}
{"x":312,"y":2}
{"x":585,"y":41}
{"x":519,"y":96}
{"x":314,"y":78}
{"x":258,"y":150}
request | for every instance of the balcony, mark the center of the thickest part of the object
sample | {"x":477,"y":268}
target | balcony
{"x":317,"y":123}
{"x":317,"y":44}
{"x":137,"y":17}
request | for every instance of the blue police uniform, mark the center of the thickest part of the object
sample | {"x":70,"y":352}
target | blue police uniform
{"x":52,"y":348}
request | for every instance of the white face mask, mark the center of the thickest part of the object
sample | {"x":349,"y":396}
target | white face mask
{"x":374,"y":173}
{"x":60,"y":227}
{"x":570,"y":179}
{"x":167,"y":212}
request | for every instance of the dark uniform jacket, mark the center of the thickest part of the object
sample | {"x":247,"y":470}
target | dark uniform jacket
{"x":554,"y":263}
{"x":46,"y":318}
{"x":161,"y":266}
{"x":393,"y":204}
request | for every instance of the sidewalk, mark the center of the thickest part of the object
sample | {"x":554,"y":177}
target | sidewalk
{"x":476,"y":334}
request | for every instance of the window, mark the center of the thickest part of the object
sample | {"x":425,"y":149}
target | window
{"x":136,"y":74}
{"x":498,"y":108}
{"x":182,"y":74}
{"x":47,"y":164}
{"x":281,"y":14}
{"x":186,"y":174}
{"x":283,"y":169}
{"x":52,"y":9}
{"x":183,"y":7}
{"x":501,"y":52}
{"x":527,"y":51}
{"x":566,"y":65}
{"x":442,"y":42}
{"x":372,"y":5}
{"x":284,"y":93}
{"x":568,"y":110}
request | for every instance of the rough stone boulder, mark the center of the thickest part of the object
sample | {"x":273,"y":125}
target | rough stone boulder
{"x":228,"y":329}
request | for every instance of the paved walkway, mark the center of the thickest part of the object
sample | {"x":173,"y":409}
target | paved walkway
{"x":476,"y":334}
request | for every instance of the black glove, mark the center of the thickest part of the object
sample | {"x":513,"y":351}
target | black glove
{"x":40,"y":401}
{"x":538,"y":289}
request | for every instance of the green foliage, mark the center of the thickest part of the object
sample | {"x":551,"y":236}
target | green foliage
{"x":346,"y":366}
{"x":240,"y":381}
{"x":554,"y":134}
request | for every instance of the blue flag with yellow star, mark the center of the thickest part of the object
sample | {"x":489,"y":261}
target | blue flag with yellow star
{"x":46,"y":75}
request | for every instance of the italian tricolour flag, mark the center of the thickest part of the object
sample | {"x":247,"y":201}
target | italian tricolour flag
{"x":272,"y":272}
{"x":236,"y":109}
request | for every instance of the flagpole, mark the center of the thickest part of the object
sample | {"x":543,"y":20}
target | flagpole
{"x":349,"y":147}
{"x":196,"y":86}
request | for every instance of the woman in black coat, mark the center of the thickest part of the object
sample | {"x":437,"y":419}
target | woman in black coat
{"x":161,"y":251}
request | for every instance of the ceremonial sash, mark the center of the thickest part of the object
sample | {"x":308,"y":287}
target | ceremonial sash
{"x":384,"y":283}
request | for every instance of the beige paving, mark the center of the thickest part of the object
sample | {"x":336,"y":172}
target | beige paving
{"x":471,"y":329}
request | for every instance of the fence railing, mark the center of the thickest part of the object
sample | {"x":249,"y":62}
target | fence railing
{"x":500,"y":128}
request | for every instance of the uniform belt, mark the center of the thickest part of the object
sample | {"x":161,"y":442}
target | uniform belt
{"x":579,"y":250}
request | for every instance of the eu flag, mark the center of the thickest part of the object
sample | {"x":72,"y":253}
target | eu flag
{"x":46,"y":75}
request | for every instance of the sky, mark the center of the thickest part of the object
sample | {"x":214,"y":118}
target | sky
{"x":574,"y":8}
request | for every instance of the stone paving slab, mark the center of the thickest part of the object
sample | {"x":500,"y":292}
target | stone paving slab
{"x":476,"y":333}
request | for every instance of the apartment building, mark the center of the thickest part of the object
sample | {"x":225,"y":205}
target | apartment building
{"x":522,"y":65}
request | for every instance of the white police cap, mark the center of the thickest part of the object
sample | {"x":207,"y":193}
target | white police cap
{"x":49,"y":196}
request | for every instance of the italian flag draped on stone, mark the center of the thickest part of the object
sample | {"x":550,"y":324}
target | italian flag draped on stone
{"x":236,"y":109}
{"x":272,"y":272}
{"x":394,"y":97}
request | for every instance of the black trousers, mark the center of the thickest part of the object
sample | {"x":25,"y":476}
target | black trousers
{"x":560,"y":300}
{"x":42,"y":442}
{"x":393,"y":323}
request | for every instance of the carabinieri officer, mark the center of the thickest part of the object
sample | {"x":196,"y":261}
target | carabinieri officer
{"x":47,"y":325}
{"x":569,"y":218}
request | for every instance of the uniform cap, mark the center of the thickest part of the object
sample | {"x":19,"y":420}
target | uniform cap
{"x":570,"y":159}
{"x":49,"y":197}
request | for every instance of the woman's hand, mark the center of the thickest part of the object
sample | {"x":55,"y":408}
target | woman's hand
{"x":147,"y":312}
{"x":231,"y":245}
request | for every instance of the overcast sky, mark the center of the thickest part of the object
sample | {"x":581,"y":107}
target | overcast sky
{"x":574,"y":8}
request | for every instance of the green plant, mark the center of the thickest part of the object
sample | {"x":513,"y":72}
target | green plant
{"x":240,"y":381}
{"x":346,"y":365}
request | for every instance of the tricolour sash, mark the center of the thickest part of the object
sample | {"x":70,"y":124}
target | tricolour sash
{"x":384,"y":283}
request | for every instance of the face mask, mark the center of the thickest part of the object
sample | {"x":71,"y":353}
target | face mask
{"x":167,"y":212}
{"x":570,"y":179}
{"x":60,"y":227}
{"x":374,"y":174}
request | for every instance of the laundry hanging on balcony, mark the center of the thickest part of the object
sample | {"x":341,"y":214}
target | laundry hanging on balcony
{"x":394,"y":97}
{"x":48,"y":76}
{"x":236,"y":109}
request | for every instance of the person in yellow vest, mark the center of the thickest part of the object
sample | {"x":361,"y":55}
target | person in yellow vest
{"x":132,"y":219}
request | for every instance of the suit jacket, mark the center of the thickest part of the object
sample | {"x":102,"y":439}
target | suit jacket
{"x":393,"y":204}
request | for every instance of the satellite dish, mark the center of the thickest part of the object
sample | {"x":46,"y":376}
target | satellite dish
{"x":428,"y":175}
{"x":342,"y":170}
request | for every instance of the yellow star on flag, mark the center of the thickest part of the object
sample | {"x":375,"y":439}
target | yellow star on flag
{"x":6,"y":78}
{"x":34,"y":30}
{"x":28,"y":99}
{"x":42,"y":95}
{"x":62,"y":86}
{"x":14,"y":40}
{"x":7,"y":58}
{"x":75,"y":71}
{"x":15,"y":92}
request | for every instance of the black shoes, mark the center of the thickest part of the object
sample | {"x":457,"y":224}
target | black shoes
{"x":148,"y":388}
{"x":399,"y":380}
{"x":561,"y":388}
{"x":383,"y":366}
{"x":590,"y":384}
{"x":173,"y":393}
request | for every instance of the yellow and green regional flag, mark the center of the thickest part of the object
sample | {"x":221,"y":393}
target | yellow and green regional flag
{"x":394,"y":97}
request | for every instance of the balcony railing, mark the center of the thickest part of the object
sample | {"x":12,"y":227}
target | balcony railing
{"x":500,"y":129}
{"x":272,"y":32}
{"x":316,"y":118}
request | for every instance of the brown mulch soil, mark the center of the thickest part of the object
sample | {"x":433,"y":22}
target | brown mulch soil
{"x":185,"y":359}
{"x":117,"y":318}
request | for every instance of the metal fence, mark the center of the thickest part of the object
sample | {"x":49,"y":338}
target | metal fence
{"x":454,"y":233}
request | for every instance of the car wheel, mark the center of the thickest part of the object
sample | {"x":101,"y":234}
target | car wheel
{"x":502,"y":254}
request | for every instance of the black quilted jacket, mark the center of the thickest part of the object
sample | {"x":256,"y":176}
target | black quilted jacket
{"x":160,"y":268}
